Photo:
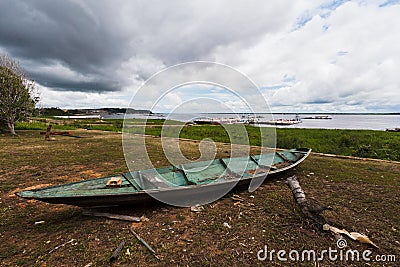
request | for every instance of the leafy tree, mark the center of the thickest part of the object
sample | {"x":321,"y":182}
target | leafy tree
{"x":18,"y":95}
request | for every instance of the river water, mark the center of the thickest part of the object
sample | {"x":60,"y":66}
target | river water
{"x":342,"y":121}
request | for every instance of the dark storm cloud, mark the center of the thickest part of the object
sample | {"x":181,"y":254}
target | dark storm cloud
{"x":94,"y":39}
{"x":319,"y":101}
{"x":46,"y":32}
{"x":40,"y":30}
{"x":64,"y":84}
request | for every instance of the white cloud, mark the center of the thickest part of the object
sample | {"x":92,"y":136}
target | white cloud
{"x":354,"y":60}
{"x":73,"y":99}
{"x":332,"y":56}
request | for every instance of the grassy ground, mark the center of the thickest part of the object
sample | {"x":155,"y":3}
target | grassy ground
{"x":364,"y":195}
{"x":114,"y":125}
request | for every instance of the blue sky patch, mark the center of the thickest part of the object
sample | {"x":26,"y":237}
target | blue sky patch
{"x":342,"y":53}
{"x":390,"y":3}
{"x":323,"y":11}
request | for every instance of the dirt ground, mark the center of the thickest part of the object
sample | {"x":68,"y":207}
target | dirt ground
{"x":364,"y":196}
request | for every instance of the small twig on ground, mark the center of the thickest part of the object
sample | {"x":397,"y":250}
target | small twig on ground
{"x":114,"y":256}
{"x":144,"y":243}
{"x":60,"y":246}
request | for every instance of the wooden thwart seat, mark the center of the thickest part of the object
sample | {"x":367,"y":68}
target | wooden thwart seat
{"x":114,"y":182}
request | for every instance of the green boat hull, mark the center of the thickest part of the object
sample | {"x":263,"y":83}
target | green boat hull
{"x":190,"y":181}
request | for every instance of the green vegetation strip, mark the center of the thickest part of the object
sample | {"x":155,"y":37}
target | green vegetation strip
{"x":359,"y":143}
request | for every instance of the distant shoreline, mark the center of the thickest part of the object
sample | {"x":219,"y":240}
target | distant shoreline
{"x":294,"y":113}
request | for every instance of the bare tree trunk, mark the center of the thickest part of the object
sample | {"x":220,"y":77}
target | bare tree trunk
{"x":11,"y":127}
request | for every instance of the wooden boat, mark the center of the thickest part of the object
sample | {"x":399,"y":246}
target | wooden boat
{"x":185,"y":181}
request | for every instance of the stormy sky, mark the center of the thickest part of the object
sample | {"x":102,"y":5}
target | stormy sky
{"x":305,"y":56}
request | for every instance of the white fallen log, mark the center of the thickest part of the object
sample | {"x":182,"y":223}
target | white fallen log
{"x":310,"y":210}
{"x":313,"y":211}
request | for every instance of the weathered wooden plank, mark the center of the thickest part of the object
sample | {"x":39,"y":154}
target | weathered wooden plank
{"x":111,"y":216}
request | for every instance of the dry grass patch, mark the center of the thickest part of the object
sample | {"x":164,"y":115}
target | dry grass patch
{"x":364,"y":195}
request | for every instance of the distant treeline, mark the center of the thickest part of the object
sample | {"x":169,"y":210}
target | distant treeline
{"x":55,"y":111}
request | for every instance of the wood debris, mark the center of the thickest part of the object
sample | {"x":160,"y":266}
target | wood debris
{"x":47,"y":136}
{"x":237,"y":198}
{"x":227,"y":225}
{"x":111,"y":216}
{"x":60,"y":246}
{"x":144,"y":219}
{"x":314,"y":212}
{"x":196,"y":208}
{"x":311,"y":211}
{"x":352,"y":235}
{"x":144,"y":243}
{"x":114,"y":256}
